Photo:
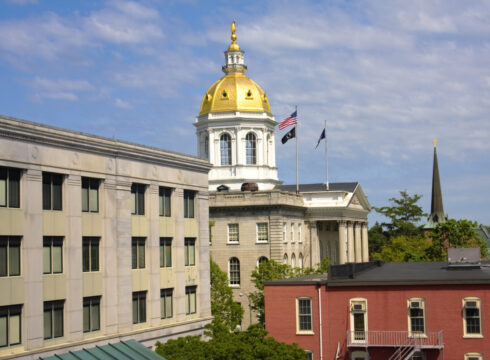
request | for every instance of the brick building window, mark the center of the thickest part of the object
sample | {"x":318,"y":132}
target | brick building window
{"x":416,"y":313}
{"x":304,"y":315}
{"x":358,"y":319}
{"x":472,"y":317}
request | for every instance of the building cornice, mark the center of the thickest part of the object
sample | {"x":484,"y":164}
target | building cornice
{"x":52,"y":136}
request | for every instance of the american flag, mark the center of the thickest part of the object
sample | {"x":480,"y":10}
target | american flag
{"x":290,"y":120}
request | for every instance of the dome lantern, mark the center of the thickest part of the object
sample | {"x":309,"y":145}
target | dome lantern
{"x":234,"y":59}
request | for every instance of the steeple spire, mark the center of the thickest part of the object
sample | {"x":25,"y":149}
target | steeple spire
{"x":436,"y":208}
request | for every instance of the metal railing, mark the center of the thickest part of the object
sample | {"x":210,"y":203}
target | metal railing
{"x":394,"y":338}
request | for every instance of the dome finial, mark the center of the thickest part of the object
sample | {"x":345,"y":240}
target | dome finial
{"x":435,"y":142}
{"x":233,"y":46}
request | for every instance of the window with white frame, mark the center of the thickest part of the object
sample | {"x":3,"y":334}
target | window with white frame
{"x":284,"y":229}
{"x":10,"y":325}
{"x":225,"y":149}
{"x":251,"y":149}
{"x":304,"y":315}
{"x":472,"y":317}
{"x":309,"y":355}
{"x":416,"y":314}
{"x":262,"y":232}
{"x":300,"y":239}
{"x":292,"y":233}
{"x":234,"y":271}
{"x":233,"y":234}
{"x":473,"y":356}
{"x":358,"y":319}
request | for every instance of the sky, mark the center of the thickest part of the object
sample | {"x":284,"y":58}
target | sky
{"x":387,"y":76}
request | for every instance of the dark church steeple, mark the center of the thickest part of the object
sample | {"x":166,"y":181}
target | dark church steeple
{"x":436,"y":208}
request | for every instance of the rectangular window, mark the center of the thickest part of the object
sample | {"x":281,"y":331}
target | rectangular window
{"x":358,"y":318}
{"x":292,"y":233}
{"x":138,"y":199}
{"x":190,"y":300}
{"x":305,"y":322}
{"x":164,"y":201}
{"x":189,"y":203}
{"x":300,"y":240}
{"x":52,"y":191}
{"x":10,"y":325}
{"x":233,"y":235}
{"x":138,"y":252}
{"x":166,"y":303}
{"x":262,"y":232}
{"x":90,"y":194}
{"x":417,"y":316}
{"x":139,"y":307}
{"x":309,"y":355}
{"x":473,"y":356}
{"x":9,"y":187}
{"x":53,"y":319}
{"x":165,"y":252}
{"x":91,"y":314}
{"x":10,"y":255}
{"x":190,"y":252}
{"x":472,"y":317}
{"x":284,"y":229}
{"x":52,"y":254}
{"x":90,"y":253}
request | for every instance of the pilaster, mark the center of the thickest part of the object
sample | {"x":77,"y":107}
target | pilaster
{"x":350,"y":242}
{"x":315,"y":255}
{"x":358,"y":242}
{"x":342,"y":242}
{"x":365,"y":242}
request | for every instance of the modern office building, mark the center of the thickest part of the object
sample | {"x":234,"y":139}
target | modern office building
{"x":100,"y":241}
{"x":254,"y":218}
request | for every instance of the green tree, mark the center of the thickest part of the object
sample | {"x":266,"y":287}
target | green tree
{"x":224,"y":345}
{"x":271,"y":270}
{"x":404,"y":248}
{"x":377,"y":238}
{"x":223,"y":308}
{"x":457,"y":234}
{"x":403,"y":214}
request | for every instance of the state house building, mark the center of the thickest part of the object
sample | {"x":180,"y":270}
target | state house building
{"x":253,"y":217}
{"x":100,"y":241}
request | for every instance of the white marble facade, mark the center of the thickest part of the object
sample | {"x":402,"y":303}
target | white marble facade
{"x":36,"y":150}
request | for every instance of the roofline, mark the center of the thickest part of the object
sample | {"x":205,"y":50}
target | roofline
{"x":367,"y":283}
{"x":23,"y":130}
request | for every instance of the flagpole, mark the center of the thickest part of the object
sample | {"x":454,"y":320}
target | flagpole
{"x":297,"y":124}
{"x":326,"y":154}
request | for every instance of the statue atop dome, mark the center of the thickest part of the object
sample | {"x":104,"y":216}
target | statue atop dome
{"x":233,"y":46}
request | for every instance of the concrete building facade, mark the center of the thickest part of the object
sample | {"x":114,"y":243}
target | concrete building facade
{"x":100,"y":241}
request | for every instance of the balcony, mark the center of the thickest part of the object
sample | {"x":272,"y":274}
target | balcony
{"x":430,"y":340}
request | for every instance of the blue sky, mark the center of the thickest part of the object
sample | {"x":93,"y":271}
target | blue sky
{"x":389,"y":76}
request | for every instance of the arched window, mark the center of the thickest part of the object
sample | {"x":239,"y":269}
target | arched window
{"x":267,"y":147}
{"x":225,"y":149}
{"x":234,"y":271}
{"x":293,"y":260}
{"x":300,"y":260}
{"x":285,"y":259}
{"x":206,"y":147}
{"x":261,"y":260}
{"x":251,"y":149}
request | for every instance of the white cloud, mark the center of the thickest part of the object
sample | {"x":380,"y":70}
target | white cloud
{"x":122,"y":104}
{"x":60,"y":89}
{"x":22,"y":2}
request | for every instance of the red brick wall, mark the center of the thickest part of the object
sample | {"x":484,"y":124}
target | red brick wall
{"x":386,"y":310}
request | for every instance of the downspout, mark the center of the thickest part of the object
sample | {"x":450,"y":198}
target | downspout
{"x":320,"y":320}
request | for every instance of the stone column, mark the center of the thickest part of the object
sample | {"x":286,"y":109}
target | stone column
{"x":358,"y":242}
{"x":350,"y":242}
{"x":73,"y":255}
{"x":342,"y":242}
{"x":314,"y":244}
{"x":365,"y":242}
{"x":32,"y":256}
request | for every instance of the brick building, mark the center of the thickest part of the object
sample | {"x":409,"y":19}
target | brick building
{"x":376,"y":310}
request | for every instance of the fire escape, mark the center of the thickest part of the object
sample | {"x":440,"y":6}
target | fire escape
{"x":404,"y":343}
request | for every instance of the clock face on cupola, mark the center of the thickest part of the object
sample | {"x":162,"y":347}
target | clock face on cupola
{"x":235,"y":128}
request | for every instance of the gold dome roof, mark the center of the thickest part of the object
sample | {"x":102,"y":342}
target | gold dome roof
{"x":235,"y":92}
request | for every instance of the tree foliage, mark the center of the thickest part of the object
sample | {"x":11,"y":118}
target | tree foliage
{"x":403,"y":215}
{"x":225,"y":345}
{"x":456,"y":234}
{"x":403,"y":248}
{"x":223,"y":308}
{"x":272,"y":270}
{"x":377,"y":238}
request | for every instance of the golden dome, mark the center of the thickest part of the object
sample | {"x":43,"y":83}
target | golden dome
{"x":235,"y":92}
